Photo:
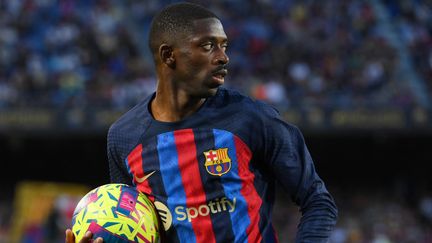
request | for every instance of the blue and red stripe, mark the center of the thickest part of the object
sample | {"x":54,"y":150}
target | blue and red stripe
{"x":192,"y":183}
{"x":134,"y":163}
{"x":151,"y":162}
{"x":244,"y":156}
{"x":245,"y":218}
{"x":182,"y":173}
{"x":221,"y":221}
{"x":168,"y":158}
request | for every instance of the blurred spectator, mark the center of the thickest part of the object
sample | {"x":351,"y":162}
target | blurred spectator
{"x":80,"y":54}
{"x":376,"y":215}
{"x":414,"y":23}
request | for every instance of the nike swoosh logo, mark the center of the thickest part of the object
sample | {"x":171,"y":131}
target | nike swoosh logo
{"x":145,"y":177}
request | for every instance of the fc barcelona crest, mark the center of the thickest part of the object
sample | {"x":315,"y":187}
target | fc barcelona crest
{"x":217,"y":162}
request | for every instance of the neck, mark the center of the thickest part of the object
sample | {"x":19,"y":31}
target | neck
{"x":171,"y":105}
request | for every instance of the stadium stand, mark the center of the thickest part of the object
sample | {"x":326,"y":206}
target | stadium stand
{"x":314,"y":60}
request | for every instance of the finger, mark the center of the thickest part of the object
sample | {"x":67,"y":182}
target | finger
{"x":98,"y":240}
{"x":87,"y":237}
{"x":69,"y":236}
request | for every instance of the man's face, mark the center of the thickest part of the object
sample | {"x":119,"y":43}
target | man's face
{"x":200,"y":59}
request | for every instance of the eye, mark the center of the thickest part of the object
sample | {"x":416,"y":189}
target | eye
{"x":224,"y":46}
{"x":207,"y":46}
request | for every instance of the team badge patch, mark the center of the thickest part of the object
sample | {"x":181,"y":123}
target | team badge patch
{"x":217,"y":162}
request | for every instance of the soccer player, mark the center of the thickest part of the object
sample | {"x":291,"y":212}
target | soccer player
{"x":207,"y":156}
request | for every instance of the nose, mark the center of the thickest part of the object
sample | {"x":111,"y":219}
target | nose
{"x":221,"y":58}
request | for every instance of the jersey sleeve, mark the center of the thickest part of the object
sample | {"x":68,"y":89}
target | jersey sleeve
{"x":117,"y":169}
{"x":292,"y":165}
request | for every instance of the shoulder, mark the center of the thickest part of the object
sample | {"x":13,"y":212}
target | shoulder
{"x":245,"y":104}
{"x":131,"y":123}
{"x":244,"y":114}
{"x":261,"y":114}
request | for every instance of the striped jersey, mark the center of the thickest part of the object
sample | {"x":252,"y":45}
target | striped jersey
{"x":212,"y":176}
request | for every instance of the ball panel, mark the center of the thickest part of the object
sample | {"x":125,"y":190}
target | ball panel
{"x":116,"y":212}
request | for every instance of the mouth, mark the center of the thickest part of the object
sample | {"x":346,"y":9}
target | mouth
{"x":219,"y":76}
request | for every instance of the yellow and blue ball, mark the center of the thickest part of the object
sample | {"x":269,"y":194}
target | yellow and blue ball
{"x":118,"y":213}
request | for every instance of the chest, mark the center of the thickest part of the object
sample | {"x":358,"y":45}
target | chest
{"x":208,"y":162}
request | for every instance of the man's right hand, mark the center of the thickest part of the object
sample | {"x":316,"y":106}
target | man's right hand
{"x":70,"y":238}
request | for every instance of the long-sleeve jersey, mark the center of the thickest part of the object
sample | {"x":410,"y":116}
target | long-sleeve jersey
{"x":212,"y":176}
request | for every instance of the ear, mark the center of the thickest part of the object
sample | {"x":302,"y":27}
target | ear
{"x":166,"y":55}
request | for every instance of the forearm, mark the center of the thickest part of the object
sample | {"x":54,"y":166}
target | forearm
{"x":318,"y":219}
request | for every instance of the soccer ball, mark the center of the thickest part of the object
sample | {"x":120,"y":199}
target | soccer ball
{"x":118,"y":213}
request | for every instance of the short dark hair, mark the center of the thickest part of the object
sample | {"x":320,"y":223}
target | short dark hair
{"x":174,"y":20}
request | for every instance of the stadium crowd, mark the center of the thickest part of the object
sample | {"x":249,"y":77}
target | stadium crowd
{"x":84,"y":54}
{"x":369,"y":216}
{"x":414,"y":23}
